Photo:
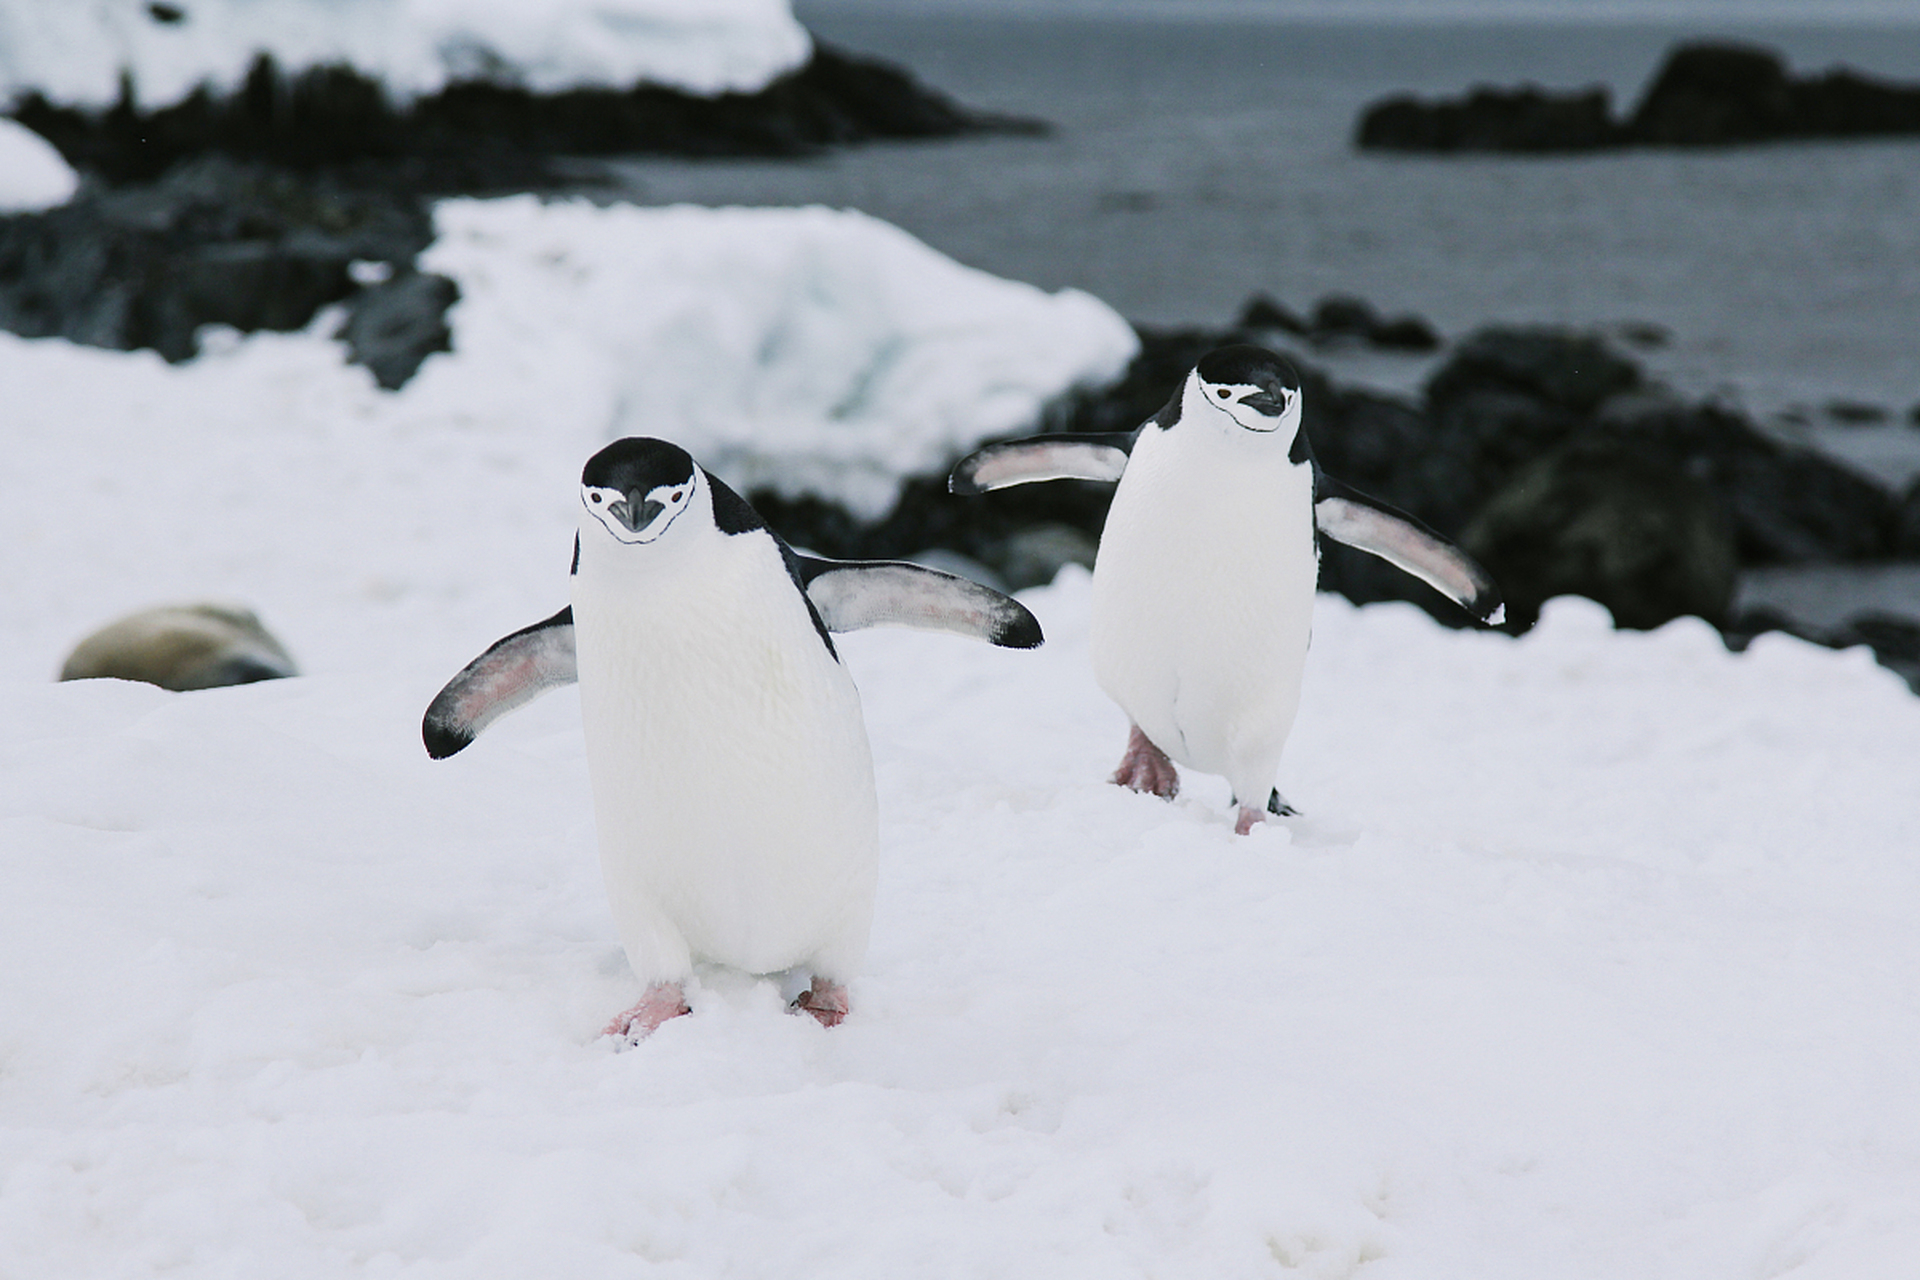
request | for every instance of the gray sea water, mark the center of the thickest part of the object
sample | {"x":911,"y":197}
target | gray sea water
{"x":1201,"y":157}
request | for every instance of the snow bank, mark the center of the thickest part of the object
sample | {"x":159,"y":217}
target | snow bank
{"x":809,"y":351}
{"x":825,"y":352}
{"x":75,"y":53}
{"x":1592,"y":958}
{"x":33,"y":175}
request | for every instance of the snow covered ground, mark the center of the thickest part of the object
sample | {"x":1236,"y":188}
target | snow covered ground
{"x":75,"y":52}
{"x":1593,"y":955}
{"x":33,"y":176}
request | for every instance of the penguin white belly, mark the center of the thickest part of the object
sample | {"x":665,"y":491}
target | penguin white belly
{"x":1203,"y":602}
{"x":732,"y":779}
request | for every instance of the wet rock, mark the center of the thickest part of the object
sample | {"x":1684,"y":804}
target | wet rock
{"x":1572,"y":470}
{"x":1034,"y":556}
{"x":1906,"y":524}
{"x":1264,"y":312}
{"x":1707,"y":93}
{"x":1527,"y":119}
{"x":477,"y":136}
{"x":1895,"y":642}
{"x":182,"y":647}
{"x":212,"y":242}
{"x":1711,"y":94}
{"x":1602,"y":518}
{"x":395,"y":324}
{"x":1342,"y":318}
{"x":1856,"y":413}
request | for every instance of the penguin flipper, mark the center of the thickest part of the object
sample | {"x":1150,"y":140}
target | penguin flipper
{"x":1090,"y":456}
{"x":1411,"y":547}
{"x":851,"y":594}
{"x":511,"y":673}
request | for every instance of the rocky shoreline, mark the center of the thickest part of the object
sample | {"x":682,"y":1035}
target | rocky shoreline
{"x":1707,"y":94}
{"x":1549,"y":454}
{"x":255,"y":209}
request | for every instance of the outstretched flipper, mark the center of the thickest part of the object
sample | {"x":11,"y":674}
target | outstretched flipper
{"x":510,"y":674}
{"x":851,"y":594}
{"x":1077,"y":457}
{"x":1348,"y":516}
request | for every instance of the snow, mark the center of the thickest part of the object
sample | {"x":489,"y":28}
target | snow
{"x":1592,"y":955}
{"x":33,"y":176}
{"x":75,"y":53}
{"x":809,"y":351}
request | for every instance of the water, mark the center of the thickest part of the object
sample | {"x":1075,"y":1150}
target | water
{"x":1197,"y":161}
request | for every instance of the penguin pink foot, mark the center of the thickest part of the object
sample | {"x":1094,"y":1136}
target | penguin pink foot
{"x":825,"y":1000}
{"x":1249,"y":817}
{"x":1146,"y":767}
{"x":662,"y":1001}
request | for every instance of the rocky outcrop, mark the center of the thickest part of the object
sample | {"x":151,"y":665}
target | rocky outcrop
{"x":1487,"y":119}
{"x":1340,"y":319}
{"x":1546,"y":452}
{"x":216,"y":241}
{"x":1707,"y":94}
{"x":255,"y":209}
{"x":479,"y":137}
{"x":1599,"y":517}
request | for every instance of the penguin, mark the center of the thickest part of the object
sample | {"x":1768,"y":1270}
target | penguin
{"x":732,"y":780}
{"x":1204,"y":581}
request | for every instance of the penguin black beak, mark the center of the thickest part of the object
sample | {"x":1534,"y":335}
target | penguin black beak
{"x":1266,"y":402}
{"x":636,"y":512}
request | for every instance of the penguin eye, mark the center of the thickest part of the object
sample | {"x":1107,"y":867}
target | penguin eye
{"x":594,"y":498}
{"x":1223,"y":393}
{"x":676,"y":495}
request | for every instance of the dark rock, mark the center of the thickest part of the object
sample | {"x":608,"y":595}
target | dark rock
{"x":1263,"y":312}
{"x":1524,"y":120}
{"x":1571,"y":371}
{"x":1340,"y":315}
{"x":213,"y":242}
{"x":1788,"y":505}
{"x":1895,"y":642}
{"x":1573,"y":473}
{"x":1906,"y":524}
{"x":1339,"y":319}
{"x":1035,"y":555}
{"x":1645,"y":335}
{"x":1602,"y":518}
{"x":1856,"y":413}
{"x":1711,"y":94}
{"x":1707,"y":93}
{"x":393,"y":326}
{"x":481,"y":137}
{"x":1406,"y":333}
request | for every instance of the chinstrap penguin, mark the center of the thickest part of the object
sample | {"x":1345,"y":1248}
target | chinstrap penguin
{"x":1203,"y":586}
{"x":732,"y":781}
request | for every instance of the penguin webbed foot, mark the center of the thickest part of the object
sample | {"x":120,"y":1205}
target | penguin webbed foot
{"x":662,"y":1001}
{"x":825,"y":1000}
{"x":1146,"y":767}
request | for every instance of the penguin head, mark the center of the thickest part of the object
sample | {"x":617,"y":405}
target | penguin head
{"x":636,"y":488}
{"x":1255,"y":389}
